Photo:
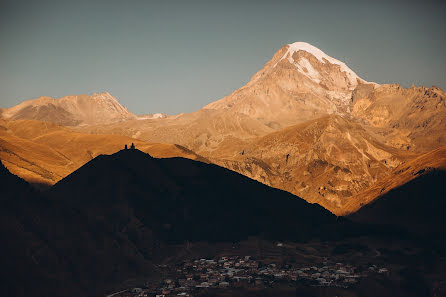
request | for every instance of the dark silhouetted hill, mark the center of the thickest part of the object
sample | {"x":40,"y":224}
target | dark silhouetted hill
{"x":111,"y":219}
{"x":49,"y":249}
{"x":416,"y":208}
{"x":180,"y":199}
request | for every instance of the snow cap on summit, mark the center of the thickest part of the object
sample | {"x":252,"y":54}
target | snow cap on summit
{"x":322,"y":57}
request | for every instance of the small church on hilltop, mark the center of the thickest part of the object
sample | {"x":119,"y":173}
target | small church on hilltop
{"x":132,"y":146}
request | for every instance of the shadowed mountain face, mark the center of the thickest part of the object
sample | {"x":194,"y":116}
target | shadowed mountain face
{"x":406,"y":172}
{"x":51,"y":249}
{"x":180,"y":199}
{"x":416,"y":207}
{"x":109,"y":220}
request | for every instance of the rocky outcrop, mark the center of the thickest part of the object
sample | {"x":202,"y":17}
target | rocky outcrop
{"x":409,"y":119}
{"x":325,"y":161}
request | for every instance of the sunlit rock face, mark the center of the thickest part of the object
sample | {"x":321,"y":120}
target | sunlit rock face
{"x":410,"y":119}
{"x":98,"y":108}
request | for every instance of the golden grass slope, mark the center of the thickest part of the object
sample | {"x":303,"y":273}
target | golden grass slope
{"x":44,"y":153}
{"x":201,"y":131}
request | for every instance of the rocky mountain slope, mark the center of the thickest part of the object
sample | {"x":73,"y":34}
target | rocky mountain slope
{"x":326,"y":161}
{"x":300,"y":83}
{"x":401,"y":175}
{"x":409,"y":119}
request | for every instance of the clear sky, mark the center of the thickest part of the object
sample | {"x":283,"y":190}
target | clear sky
{"x":176,"y":56}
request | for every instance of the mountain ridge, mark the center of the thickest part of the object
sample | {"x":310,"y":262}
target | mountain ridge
{"x":384,"y":126}
{"x":73,"y":110}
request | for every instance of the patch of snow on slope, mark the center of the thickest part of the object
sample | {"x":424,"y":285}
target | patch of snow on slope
{"x":152,"y":116}
{"x":306,"y":68}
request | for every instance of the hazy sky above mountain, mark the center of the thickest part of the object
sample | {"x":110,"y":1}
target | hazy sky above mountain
{"x":177,"y":56}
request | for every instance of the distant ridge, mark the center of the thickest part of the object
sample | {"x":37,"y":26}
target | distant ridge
{"x":98,"y":108}
{"x":43,"y":153}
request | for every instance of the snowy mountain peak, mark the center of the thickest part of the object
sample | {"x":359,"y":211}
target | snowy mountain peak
{"x":305,"y":66}
{"x":304,"y":46}
{"x":152,"y":116}
{"x":297,"y":71}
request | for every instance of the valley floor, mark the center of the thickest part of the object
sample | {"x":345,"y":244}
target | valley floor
{"x":355,"y":267}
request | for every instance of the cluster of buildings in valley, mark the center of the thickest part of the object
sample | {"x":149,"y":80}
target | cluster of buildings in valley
{"x":189,"y":277}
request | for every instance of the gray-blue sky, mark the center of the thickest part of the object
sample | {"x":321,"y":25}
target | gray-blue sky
{"x":176,"y":56}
